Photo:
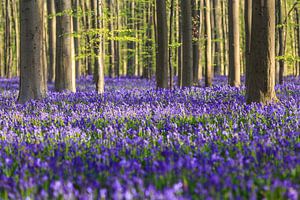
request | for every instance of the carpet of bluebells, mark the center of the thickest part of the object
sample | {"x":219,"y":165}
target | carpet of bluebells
{"x":138,"y":143}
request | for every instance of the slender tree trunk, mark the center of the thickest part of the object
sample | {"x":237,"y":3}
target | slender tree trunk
{"x":234,"y":44}
{"x":31,"y":51}
{"x":76,"y":22}
{"x":187,"y":43}
{"x":7,"y":37}
{"x":218,"y":36}
{"x":65,"y":65}
{"x":148,"y":44}
{"x":99,"y":50}
{"x":131,"y":44}
{"x":88,"y":26}
{"x":281,"y":41}
{"x":248,"y":23}
{"x":162,"y":45}
{"x":2,"y":41}
{"x":180,"y":47}
{"x":201,"y":25}
{"x":196,"y":35}
{"x":208,"y":63}
{"x":45,"y":47}
{"x":2,"y":54}
{"x":170,"y":43}
{"x":111,"y":47}
{"x":298,"y":38}
{"x":261,"y":86}
{"x":213,"y":36}
{"x":117,"y":43}
{"x":225,"y":36}
{"x":15,"y":5}
{"x":52,"y":40}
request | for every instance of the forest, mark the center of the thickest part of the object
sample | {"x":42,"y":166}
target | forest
{"x":149,"y":99}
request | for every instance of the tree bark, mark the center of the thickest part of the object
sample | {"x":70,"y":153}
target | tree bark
{"x":131,"y":44}
{"x":99,"y":49}
{"x":262,"y":56}
{"x":111,"y":47}
{"x":218,"y":36}
{"x":298,"y":38}
{"x":201,"y":25}
{"x":170,"y":43}
{"x":65,"y":65}
{"x":234,"y":44}
{"x":76,"y":23}
{"x":248,"y":23}
{"x":281,"y":41}
{"x":196,"y":35}
{"x":187,"y":43}
{"x":208,"y":63}
{"x":162,"y":45}
{"x":31,"y":51}
{"x":88,"y":25}
{"x":148,"y":60}
{"x":15,"y":5}
{"x":52,"y":40}
{"x":179,"y":52}
{"x":8,"y":37}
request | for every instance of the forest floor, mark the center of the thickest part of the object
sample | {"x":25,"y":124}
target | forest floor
{"x":138,"y":143}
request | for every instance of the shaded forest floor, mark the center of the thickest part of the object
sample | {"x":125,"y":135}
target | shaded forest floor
{"x":135,"y":143}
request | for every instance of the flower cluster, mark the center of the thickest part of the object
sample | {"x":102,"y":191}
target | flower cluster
{"x":135,"y":142}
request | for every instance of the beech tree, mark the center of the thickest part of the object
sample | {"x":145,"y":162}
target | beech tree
{"x":196,"y":35}
{"x":248,"y":24}
{"x":208,"y":62}
{"x":187,"y":43}
{"x":234,"y":43}
{"x":98,"y":47}
{"x":162,"y":45}
{"x":32,"y":80}
{"x":281,"y":46}
{"x":52,"y":39}
{"x":262,"y":53}
{"x":65,"y":57}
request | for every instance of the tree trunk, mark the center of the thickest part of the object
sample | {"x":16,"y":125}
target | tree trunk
{"x":262,"y":56}
{"x":196,"y":35}
{"x":117,"y":43}
{"x":88,"y":26}
{"x":131,"y":45}
{"x":225,"y":37}
{"x":281,"y":41}
{"x":15,"y":5}
{"x":2,"y":41}
{"x":31,"y":51}
{"x":298,"y":38}
{"x":65,"y":66}
{"x":170,"y":43}
{"x":213,"y":36}
{"x":207,"y":27}
{"x":248,"y":23}
{"x":218,"y":36}
{"x":52,"y":40}
{"x":187,"y":43}
{"x":99,"y":50}
{"x":76,"y":22}
{"x":7,"y":37}
{"x":148,"y":60}
{"x":179,"y":52}
{"x":201,"y":25}
{"x":111,"y":47}
{"x":234,"y":44}
{"x":162,"y":45}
